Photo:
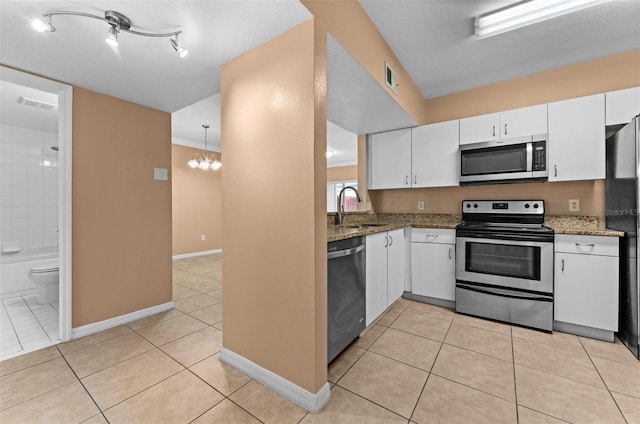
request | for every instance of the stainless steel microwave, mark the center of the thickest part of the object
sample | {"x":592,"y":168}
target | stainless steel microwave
{"x":521,"y":159}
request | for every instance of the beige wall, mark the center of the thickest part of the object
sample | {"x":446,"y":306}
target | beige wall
{"x":197,"y":204}
{"x":274,"y":210}
{"x":347,"y":21}
{"x":121,"y":215}
{"x":597,"y":76}
{"x":342,"y":173}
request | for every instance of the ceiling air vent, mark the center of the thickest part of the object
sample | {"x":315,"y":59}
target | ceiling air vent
{"x":36,"y":103}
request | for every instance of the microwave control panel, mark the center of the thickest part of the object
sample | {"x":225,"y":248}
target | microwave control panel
{"x":539,"y":156}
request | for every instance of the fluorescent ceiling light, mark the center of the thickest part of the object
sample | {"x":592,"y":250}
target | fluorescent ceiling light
{"x":527,"y":13}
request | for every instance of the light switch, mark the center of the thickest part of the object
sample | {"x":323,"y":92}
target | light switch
{"x":160,"y":174}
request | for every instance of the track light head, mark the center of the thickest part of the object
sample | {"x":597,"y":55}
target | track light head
{"x":41,"y":26}
{"x":177,"y":47}
{"x":112,"y":37}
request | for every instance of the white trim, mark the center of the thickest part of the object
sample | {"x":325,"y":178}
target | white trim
{"x":65,"y":134}
{"x":309,"y":401}
{"x":96,"y":327}
{"x":194,"y":254}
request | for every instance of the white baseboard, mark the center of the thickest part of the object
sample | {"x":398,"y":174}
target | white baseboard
{"x":95,"y":327}
{"x":309,"y":401}
{"x":194,"y":254}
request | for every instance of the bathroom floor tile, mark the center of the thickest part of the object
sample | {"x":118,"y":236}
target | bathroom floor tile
{"x":54,"y":407}
{"x":445,"y":401}
{"x":389,"y":383}
{"x":121,"y":381}
{"x":266,"y":405}
{"x":179,"y":399}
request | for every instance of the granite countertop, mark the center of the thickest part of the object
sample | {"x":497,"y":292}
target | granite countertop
{"x":372,"y":223}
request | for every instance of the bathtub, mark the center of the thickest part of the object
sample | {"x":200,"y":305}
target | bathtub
{"x":14,"y":280}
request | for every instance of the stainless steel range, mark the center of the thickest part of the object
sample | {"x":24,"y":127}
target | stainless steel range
{"x":504,"y":262}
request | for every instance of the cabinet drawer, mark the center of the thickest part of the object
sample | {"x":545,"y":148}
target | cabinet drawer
{"x":587,"y":245}
{"x":433,"y":235}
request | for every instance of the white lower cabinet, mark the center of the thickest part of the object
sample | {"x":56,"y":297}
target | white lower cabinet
{"x":384,"y":271}
{"x":586,"y":285}
{"x":433,"y":261}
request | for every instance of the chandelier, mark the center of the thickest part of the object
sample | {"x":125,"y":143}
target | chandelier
{"x":205,"y":160}
{"x":117,"y":23}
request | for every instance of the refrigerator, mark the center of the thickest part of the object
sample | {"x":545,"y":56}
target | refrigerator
{"x":621,"y":213}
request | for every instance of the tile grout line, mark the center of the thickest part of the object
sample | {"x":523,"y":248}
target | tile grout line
{"x":515,"y":383}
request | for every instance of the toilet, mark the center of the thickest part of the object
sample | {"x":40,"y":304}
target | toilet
{"x":46,"y":277}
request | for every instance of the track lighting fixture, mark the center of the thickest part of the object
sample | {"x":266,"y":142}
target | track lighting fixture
{"x":117,"y":22}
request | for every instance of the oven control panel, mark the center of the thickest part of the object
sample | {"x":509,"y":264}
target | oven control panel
{"x":529,"y":207}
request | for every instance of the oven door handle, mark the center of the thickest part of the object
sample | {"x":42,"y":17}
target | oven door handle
{"x":505,"y":293}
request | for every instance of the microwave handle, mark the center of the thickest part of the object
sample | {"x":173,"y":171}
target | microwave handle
{"x":529,"y":156}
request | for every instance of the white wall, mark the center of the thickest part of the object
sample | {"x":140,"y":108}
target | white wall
{"x":28,"y":190}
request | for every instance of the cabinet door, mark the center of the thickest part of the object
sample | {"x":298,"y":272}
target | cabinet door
{"x":376,"y":275}
{"x":435,"y":158}
{"x":395,"y":266}
{"x":622,"y":106}
{"x":586,"y":290}
{"x":433,"y":270}
{"x":576,"y":139}
{"x":480,"y":128}
{"x":390,"y":159}
{"x":522,"y":122}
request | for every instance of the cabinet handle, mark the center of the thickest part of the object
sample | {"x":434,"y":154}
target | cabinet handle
{"x":415,"y":179}
{"x":449,"y":253}
{"x":555,"y":170}
{"x":435,"y":236}
{"x":562,"y":265}
{"x":386,"y":241}
{"x":406,"y":180}
{"x":390,"y":240}
{"x":589,"y":245}
{"x":505,"y":129}
{"x":493,"y":133}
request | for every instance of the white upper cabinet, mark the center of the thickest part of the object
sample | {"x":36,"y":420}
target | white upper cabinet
{"x":576,"y":139}
{"x":508,"y":124}
{"x":622,"y":106}
{"x":480,"y":128}
{"x":389,"y":164}
{"x":435,"y":158}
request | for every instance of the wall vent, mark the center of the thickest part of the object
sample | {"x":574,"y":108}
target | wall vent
{"x":36,"y":103}
{"x":390,"y":78}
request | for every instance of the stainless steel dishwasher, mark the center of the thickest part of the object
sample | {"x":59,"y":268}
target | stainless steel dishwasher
{"x":345,"y":293}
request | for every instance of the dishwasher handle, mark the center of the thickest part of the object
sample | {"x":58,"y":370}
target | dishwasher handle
{"x":346,"y":252}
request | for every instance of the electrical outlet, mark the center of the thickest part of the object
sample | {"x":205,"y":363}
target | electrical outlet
{"x":203,"y":237}
{"x":574,"y":205}
{"x":420,"y":205}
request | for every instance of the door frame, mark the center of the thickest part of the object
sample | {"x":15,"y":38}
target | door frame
{"x":65,"y":121}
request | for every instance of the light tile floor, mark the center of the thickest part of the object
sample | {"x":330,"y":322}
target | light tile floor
{"x":26,"y":326}
{"x":418,"y":364}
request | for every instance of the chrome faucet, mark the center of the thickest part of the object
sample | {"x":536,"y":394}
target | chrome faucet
{"x":341,"y":203}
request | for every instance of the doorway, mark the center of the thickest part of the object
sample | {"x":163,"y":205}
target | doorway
{"x":36,"y":197}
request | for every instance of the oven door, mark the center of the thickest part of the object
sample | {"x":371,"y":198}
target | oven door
{"x":512,"y":264}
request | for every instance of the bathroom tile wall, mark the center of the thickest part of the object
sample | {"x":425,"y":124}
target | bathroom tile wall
{"x":28,"y":189}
